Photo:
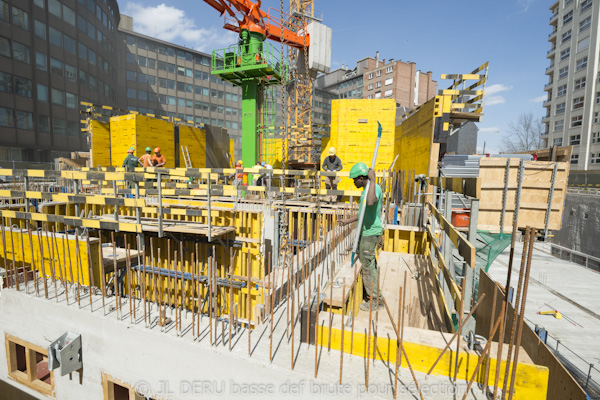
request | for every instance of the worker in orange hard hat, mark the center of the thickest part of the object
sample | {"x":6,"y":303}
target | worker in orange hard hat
{"x":158,"y":160}
{"x":332,"y":163}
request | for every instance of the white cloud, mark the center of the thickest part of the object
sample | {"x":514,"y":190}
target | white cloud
{"x":491,"y":94}
{"x":524,"y":5}
{"x":172,"y":25}
{"x":539,"y":99}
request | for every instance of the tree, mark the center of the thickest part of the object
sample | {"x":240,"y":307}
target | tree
{"x":524,"y":135}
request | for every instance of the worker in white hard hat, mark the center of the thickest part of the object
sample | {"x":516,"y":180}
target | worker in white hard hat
{"x":332,"y":164}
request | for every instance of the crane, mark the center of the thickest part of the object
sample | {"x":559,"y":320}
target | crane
{"x":253,"y":63}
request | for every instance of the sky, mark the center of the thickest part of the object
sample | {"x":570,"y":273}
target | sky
{"x":441,"y":36}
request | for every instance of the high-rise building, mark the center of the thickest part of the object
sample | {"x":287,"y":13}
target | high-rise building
{"x":572,"y":108}
{"x":373,"y":78}
{"x":56,"y":53}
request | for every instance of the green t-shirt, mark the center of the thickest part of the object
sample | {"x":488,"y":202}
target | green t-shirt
{"x":372,"y":225}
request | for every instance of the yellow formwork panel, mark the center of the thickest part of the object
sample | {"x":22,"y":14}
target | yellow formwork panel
{"x":139,"y":132}
{"x":195,"y":141}
{"x":59,"y":263}
{"x":531,"y":381}
{"x":232,"y":159}
{"x":100,"y":144}
{"x":354,"y":133}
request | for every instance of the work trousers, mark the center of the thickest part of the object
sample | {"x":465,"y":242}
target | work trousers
{"x":331,"y":183}
{"x":366,"y":254}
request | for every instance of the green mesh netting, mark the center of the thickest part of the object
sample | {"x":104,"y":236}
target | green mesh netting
{"x":489,"y":246}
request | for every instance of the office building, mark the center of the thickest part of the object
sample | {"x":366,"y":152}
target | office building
{"x":573,"y":104}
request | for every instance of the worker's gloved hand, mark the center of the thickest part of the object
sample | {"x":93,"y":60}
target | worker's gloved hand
{"x":371,"y":174}
{"x":343,"y":222}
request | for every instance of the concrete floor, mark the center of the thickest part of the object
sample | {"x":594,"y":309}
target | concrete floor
{"x":567,"y":287}
{"x":177,"y":367}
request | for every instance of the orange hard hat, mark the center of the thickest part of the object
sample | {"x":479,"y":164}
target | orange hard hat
{"x":130,"y":150}
{"x":157,"y":150}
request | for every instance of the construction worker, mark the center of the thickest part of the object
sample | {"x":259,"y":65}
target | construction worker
{"x":158,"y":159}
{"x":146,"y":160}
{"x":239,"y":177}
{"x":333,"y":164}
{"x":370,"y":234}
{"x":130,"y":161}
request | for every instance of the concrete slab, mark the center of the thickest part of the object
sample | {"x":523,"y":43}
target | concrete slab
{"x":569,"y":288}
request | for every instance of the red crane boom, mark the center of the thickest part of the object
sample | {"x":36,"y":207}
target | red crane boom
{"x":248,"y":15}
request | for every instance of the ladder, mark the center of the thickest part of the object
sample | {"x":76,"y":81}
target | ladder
{"x":186,"y":157}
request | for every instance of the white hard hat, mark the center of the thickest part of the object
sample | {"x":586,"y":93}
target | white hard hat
{"x":332,"y":151}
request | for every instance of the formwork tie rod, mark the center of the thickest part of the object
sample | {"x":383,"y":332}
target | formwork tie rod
{"x":187,"y":276}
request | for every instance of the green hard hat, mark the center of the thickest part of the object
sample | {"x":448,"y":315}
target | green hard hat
{"x":148,"y":149}
{"x":359,"y":169}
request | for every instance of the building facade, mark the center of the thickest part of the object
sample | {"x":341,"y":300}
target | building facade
{"x":573,"y":103}
{"x":53,"y":54}
{"x":374,"y":78}
{"x":56,"y":53}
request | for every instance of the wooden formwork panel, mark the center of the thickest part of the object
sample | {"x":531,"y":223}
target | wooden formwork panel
{"x":534,"y":197}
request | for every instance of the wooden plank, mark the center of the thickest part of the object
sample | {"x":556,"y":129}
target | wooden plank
{"x":343,"y":274}
{"x":454,"y":289}
{"x":465,"y":248}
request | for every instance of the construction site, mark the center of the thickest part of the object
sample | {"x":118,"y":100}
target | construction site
{"x":210,"y":277}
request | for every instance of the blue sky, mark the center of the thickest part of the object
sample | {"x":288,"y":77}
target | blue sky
{"x":441,"y":36}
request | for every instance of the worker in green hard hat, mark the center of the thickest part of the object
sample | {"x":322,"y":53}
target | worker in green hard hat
{"x":146,"y":160}
{"x":130,"y":161}
{"x":370,"y":233}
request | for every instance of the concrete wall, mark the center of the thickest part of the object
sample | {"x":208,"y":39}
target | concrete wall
{"x":580,"y":224}
{"x":464,"y":141}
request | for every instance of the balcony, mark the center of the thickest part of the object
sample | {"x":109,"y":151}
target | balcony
{"x":550,"y":70}
{"x":552,"y":35}
{"x":553,"y":18}
{"x":548,"y":86}
{"x":546,"y":119}
{"x":547,"y":103}
{"x":550,"y":52}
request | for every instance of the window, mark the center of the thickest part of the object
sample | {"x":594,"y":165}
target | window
{"x":378,"y":84}
{"x":59,"y":126}
{"x":28,"y":364}
{"x":563,"y":72}
{"x":21,"y":52}
{"x":58,"y":97}
{"x":378,"y":73}
{"x":54,"y":8}
{"x":40,"y":61}
{"x":370,"y":75}
{"x":574,"y":158}
{"x":596,"y":117}
{"x":566,"y":36}
{"x":181,"y":54}
{"x":377,"y":95}
{"x":568,"y":17}
{"x":151,"y":63}
{"x":370,"y":86}
{"x":389,"y":69}
{"x":579,"y":83}
{"x":388,"y":93}
{"x":20,"y":18}
{"x":70,"y":44}
{"x":56,"y":67}
{"x":389,"y":81}
{"x":560,"y":108}
{"x":6,"y":84}
{"x":24,"y":119}
{"x":81,"y":23}
{"x":56,"y":37}
{"x":577,"y":103}
{"x":130,"y":40}
{"x":581,"y":64}
{"x":583,"y":44}
{"x":559,"y":125}
{"x":561,"y":91}
{"x":43,"y":123}
{"x":6,"y":118}
{"x":585,"y":24}
{"x":597,"y":98}
{"x":39,"y":3}
{"x":4,"y":11}
{"x":23,"y":86}
{"x":91,"y":57}
{"x":576,"y":121}
{"x":557,"y":142}
{"x":71,"y":100}
{"x":131,"y":94}
{"x":594,"y":158}
{"x":141,"y":61}
{"x":70,"y":72}
{"x":39,"y":29}
{"x":131,"y":76}
{"x":42,"y":92}
{"x":68,"y":15}
{"x":585,"y":5}
{"x":565,"y":54}
{"x":130,"y":58}
{"x":142,"y":95}
{"x":595,"y":137}
{"x":4,"y":47}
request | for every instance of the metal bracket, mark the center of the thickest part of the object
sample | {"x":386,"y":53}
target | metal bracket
{"x":65,"y":352}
